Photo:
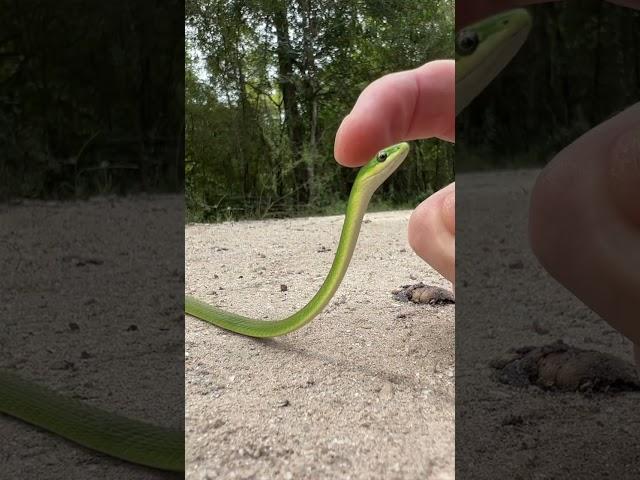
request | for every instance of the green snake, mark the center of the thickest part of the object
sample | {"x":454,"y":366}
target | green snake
{"x":482,"y":50}
{"x":92,"y":427}
{"x":369,"y":178}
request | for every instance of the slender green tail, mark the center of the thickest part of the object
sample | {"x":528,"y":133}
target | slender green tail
{"x":105,"y":432}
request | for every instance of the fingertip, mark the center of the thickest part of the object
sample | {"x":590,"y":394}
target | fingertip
{"x":358,"y":139}
{"x":400,"y":106}
{"x":342,"y":145}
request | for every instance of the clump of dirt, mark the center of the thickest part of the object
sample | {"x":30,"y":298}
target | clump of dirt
{"x":421,"y":293}
{"x":561,"y":367}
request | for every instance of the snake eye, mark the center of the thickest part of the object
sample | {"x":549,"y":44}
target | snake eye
{"x":466,"y":42}
{"x":382,"y":156}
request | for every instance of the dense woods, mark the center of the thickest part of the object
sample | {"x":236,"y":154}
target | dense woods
{"x":580,"y":66}
{"x":97,"y":100}
{"x":91,"y":97}
{"x":267,"y":84}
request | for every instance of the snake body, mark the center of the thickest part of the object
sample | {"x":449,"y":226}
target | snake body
{"x":481,"y":52}
{"x":369,"y":178}
{"x":116,"y":435}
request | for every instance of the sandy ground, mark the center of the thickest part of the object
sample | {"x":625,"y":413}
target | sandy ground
{"x":90,"y":302}
{"x":505,"y":299}
{"x":365,"y":391}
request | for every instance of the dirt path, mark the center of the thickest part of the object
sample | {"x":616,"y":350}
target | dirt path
{"x":507,"y":300}
{"x":366,"y":391}
{"x":90,"y":302}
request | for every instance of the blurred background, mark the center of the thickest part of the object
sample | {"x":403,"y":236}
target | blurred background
{"x":575,"y":70}
{"x":91,"y":218}
{"x":91,"y":99}
{"x":579,"y":67}
{"x":267,"y":85}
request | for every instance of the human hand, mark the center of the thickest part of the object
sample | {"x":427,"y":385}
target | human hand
{"x":585,"y":207}
{"x":585,"y":220}
{"x":409,"y":105}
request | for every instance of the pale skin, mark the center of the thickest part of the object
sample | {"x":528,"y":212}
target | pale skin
{"x":409,"y":105}
{"x":596,"y":259}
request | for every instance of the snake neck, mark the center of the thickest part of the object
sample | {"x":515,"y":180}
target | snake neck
{"x":356,"y":208}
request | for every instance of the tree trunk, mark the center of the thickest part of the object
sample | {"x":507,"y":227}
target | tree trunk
{"x":311,"y":92}
{"x":292,"y":117}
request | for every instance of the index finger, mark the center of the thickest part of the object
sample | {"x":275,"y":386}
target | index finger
{"x":407,"y":105}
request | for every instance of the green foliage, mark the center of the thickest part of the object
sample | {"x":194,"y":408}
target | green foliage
{"x":267,"y":85}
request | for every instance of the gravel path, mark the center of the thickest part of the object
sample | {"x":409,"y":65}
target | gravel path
{"x":90,"y":302}
{"x":365,"y":391}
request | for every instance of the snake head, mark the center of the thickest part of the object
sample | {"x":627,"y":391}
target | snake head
{"x":484,"y":49}
{"x":380,"y":167}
